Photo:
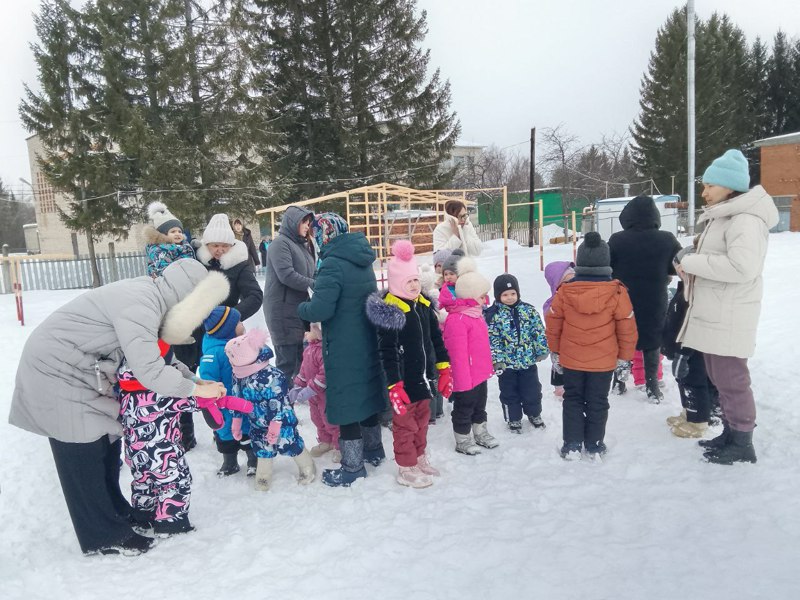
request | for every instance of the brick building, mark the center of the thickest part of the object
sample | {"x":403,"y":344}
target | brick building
{"x":780,"y":173}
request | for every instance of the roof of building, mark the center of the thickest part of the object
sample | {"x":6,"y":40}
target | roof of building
{"x":779,"y":140}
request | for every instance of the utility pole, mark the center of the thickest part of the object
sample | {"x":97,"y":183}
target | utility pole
{"x":531,"y":195}
{"x":690,"y":112}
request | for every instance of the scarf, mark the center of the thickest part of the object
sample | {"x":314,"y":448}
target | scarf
{"x":475,"y":311}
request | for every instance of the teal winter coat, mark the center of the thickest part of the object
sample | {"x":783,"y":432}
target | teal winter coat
{"x":516,"y":335}
{"x":345,"y":279}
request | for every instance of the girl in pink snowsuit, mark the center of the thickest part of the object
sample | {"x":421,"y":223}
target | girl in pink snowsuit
{"x":310,"y":385}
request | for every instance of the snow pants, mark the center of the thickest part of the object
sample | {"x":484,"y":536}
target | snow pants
{"x":520,"y":392}
{"x":410,"y":433}
{"x":469,"y":407}
{"x":326,"y":433}
{"x":585,"y":407}
{"x":697,"y":391}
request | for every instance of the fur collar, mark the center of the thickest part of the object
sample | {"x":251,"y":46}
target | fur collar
{"x":188,"y":314}
{"x":153,"y":236}
{"x":237,"y":254}
{"x":386,"y":311}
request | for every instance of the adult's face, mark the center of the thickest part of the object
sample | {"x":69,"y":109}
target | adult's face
{"x":237,"y":226}
{"x":303,"y":228}
{"x":217,"y":250}
{"x":714,"y":194}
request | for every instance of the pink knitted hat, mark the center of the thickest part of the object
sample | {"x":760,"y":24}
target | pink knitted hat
{"x":243,"y":351}
{"x":402,"y":268}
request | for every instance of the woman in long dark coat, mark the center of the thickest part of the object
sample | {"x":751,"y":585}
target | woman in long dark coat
{"x":356,"y":391}
{"x":641,"y":258}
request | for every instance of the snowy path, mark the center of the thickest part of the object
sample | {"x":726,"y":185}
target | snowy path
{"x":651,"y":522}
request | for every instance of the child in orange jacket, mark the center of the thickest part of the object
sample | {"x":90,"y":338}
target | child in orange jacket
{"x":591,"y":333}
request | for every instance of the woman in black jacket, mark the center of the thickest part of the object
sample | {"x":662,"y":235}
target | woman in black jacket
{"x":243,"y":234}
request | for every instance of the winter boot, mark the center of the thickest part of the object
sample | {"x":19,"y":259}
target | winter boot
{"x":374,"y":453}
{"x":651,"y":359}
{"x":654,"y":393}
{"x":229,"y":465}
{"x":252,"y":462}
{"x":686,"y":429}
{"x":681,"y":418}
{"x":413,"y":477}
{"x":321,"y":449}
{"x":483,"y":437}
{"x":306,"y":467}
{"x":720,"y":441}
{"x":263,"y":474}
{"x":352,"y":465}
{"x":133,"y":546}
{"x":571,"y":451}
{"x":188,"y":439}
{"x":165,"y":529}
{"x":424,"y":465}
{"x":596,"y":450}
{"x":515,"y":426}
{"x":537,"y":422}
{"x":465,"y":445}
{"x":738,"y":449}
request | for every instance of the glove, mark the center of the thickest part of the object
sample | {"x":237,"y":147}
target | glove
{"x":236,"y":428}
{"x":541,"y":357}
{"x":234,"y":403}
{"x":680,"y":367}
{"x":305,"y":395}
{"x":623,"y":370}
{"x":556,"y":363}
{"x":211,"y":413}
{"x":399,"y":398}
{"x":445,"y":385}
{"x":499,"y":368}
{"x":273,"y":432}
{"x":293,"y":393}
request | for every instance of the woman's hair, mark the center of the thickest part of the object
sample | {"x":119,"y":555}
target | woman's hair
{"x":308,"y":218}
{"x":453,"y":207}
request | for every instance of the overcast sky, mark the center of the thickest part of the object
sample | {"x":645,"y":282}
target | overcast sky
{"x":512,"y":64}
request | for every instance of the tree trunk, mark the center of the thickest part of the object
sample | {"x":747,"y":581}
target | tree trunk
{"x":96,"y":281}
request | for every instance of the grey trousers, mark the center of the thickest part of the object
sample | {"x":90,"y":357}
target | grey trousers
{"x":288,"y":358}
{"x":731,"y":377}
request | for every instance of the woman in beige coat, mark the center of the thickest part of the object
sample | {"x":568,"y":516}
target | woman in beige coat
{"x":724,"y":288}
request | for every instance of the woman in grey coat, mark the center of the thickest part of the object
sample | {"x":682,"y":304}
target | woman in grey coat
{"x":290,"y":273}
{"x":65,"y":386}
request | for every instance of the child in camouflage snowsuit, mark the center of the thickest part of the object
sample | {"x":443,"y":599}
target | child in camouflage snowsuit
{"x":273,"y":423}
{"x":518,"y":342}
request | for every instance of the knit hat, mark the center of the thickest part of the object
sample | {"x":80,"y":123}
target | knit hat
{"x":218,"y":231}
{"x":222,"y":322}
{"x":451,"y":263}
{"x":162,"y":219}
{"x":503,"y":283}
{"x":441,"y":255}
{"x":470,"y":284}
{"x":402,"y":268}
{"x":730,"y":170}
{"x":243,"y":351}
{"x":594,"y":257}
{"x":327,"y":226}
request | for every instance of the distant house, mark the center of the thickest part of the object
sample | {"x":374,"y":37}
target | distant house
{"x":780,"y":175}
{"x":462,"y":156}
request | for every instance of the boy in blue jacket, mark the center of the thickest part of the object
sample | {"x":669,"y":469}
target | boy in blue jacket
{"x":518,"y":342}
{"x":223,"y":324}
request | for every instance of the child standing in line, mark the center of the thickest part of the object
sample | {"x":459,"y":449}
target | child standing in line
{"x":556,"y":273}
{"x":591,"y":332}
{"x":309,"y":386}
{"x":223,"y":324}
{"x":431,"y":281}
{"x":516,"y":336}
{"x":408,"y":335}
{"x":166,"y":241}
{"x":273,"y":424}
{"x":466,"y":338}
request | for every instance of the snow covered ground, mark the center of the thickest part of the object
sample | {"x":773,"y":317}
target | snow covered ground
{"x":651,"y":522}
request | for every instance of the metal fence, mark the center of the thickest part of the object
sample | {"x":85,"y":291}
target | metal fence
{"x":519,"y":232}
{"x":70,"y":274}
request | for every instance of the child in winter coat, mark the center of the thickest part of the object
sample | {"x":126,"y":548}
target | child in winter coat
{"x":430,"y":280}
{"x":408,"y":335}
{"x":166,"y":241}
{"x":309,"y":386}
{"x":516,"y":336}
{"x":161,"y":483}
{"x":273,"y":424}
{"x":556,"y":273}
{"x":466,"y":338}
{"x":223,"y":324}
{"x":591,"y":332}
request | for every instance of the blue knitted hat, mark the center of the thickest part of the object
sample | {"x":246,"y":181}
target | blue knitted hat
{"x":222,"y":322}
{"x":730,"y":170}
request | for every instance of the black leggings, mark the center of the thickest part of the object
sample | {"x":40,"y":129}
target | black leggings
{"x":352,"y":431}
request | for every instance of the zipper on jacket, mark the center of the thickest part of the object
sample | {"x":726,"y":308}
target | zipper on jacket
{"x":97,"y":373}
{"x":422,"y":339}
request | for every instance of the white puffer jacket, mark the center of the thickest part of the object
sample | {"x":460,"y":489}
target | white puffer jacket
{"x":467,"y":240}
{"x":725,"y":286}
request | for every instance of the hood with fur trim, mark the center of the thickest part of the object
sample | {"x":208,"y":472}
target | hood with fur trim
{"x":187,"y":315}
{"x":387,"y":311}
{"x":237,"y":254}
{"x":154,"y":236}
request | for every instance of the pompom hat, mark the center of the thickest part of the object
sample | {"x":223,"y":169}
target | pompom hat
{"x":218,"y":231}
{"x":162,"y":219}
{"x":470,"y":284}
{"x":402,"y":268}
{"x":594,"y":256}
{"x":243,"y":352}
{"x":729,"y":170}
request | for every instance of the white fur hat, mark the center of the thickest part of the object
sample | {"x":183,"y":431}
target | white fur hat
{"x":470,"y":284}
{"x":218,"y":231}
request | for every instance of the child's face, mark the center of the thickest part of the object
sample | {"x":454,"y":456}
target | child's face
{"x":449,"y":277}
{"x":483,"y":299}
{"x":438,"y":268}
{"x":412,"y":288}
{"x":509,"y":297}
{"x":175,"y":235}
{"x":240,"y":330}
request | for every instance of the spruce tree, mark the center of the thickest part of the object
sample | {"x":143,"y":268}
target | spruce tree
{"x":779,"y":82}
{"x":759,"y":93}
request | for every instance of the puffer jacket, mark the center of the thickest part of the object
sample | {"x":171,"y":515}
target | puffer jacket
{"x":725,"y":286}
{"x":68,"y":368}
{"x":215,"y":366}
{"x":312,"y":369}
{"x":162,"y":252}
{"x":466,"y":338}
{"x":245,"y":293}
{"x":591,"y":324}
{"x":516,"y":335}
